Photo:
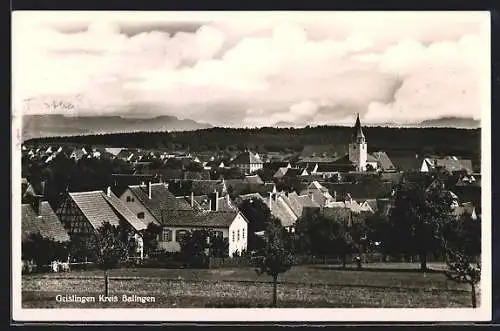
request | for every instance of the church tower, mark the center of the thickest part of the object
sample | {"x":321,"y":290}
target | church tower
{"x":358,"y":149}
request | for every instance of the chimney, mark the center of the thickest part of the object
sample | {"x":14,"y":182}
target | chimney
{"x":149,"y":189}
{"x":216,"y":200}
{"x":108,"y":192}
{"x":270,"y":201}
{"x":209,"y":204}
{"x":192,"y":199}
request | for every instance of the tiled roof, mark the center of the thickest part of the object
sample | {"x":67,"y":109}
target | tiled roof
{"x":319,"y":150}
{"x":253,"y":179}
{"x":281,"y":210}
{"x":225,"y":204}
{"x":198,"y":187}
{"x":280,"y":172}
{"x":405,"y":161}
{"x":316,"y":159}
{"x":95,"y":208}
{"x":370,"y":158}
{"x":275,"y":165}
{"x":247,"y":158}
{"x":450,"y":164}
{"x":48,"y":225}
{"x":126,"y":213}
{"x":373,"y":204}
{"x":327,"y":167}
{"x":161,"y":199}
{"x":211,"y":219}
{"x":293,"y":172}
{"x":383,"y":160}
{"x":362,"y":190}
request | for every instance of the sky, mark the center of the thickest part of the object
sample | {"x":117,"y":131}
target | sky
{"x":252,"y":68}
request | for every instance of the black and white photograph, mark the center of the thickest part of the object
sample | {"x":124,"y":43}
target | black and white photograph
{"x":251,"y":166}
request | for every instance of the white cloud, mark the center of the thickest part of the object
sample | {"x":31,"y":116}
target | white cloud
{"x":288,"y":66}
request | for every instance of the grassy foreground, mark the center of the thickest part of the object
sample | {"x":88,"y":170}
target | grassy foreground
{"x":302,"y":286}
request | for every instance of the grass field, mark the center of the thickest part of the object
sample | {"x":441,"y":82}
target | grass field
{"x":380,"y":285}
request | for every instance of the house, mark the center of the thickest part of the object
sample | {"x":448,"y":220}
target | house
{"x":286,"y":207}
{"x":325,"y":170}
{"x":39,"y":218}
{"x":383,"y":162}
{"x":248,"y":162}
{"x":230,"y":225}
{"x":78,"y":153}
{"x":450,"y":164}
{"x":290,"y":173}
{"x":198,"y":187}
{"x":466,"y":208}
{"x":318,"y":193}
{"x":155,"y":203}
{"x":252,"y":179}
{"x":150,"y":201}
{"x":83,"y":213}
{"x":324,"y":151}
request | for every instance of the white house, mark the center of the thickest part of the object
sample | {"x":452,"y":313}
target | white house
{"x":248,"y":162}
{"x":154,"y":203}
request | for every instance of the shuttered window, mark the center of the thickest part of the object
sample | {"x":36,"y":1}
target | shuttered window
{"x":167,"y":234}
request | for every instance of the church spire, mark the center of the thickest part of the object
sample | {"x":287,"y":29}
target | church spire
{"x":358,"y":131}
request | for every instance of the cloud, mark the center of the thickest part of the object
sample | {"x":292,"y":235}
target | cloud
{"x":251,"y":68}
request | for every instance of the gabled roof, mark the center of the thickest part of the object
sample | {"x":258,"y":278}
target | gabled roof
{"x":95,"y":208}
{"x":324,"y":150}
{"x":293,"y":172}
{"x":47,"y":224}
{"x":372,"y":203}
{"x":281,"y":210}
{"x":280,"y":172}
{"x":191,"y":218}
{"x":449,"y":163}
{"x":253,"y":179}
{"x":126,"y":213}
{"x":383,"y":160}
{"x":316,"y":159}
{"x":161,"y":199}
{"x":247,"y":158}
{"x":362,"y":190}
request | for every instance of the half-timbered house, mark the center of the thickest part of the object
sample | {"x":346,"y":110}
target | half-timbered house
{"x":83,"y":213}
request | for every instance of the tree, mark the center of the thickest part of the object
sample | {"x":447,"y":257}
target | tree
{"x":327,"y":235}
{"x":275,"y":258}
{"x":418,"y":211}
{"x":150,"y":238}
{"x":462,"y":244}
{"x":259,"y":217}
{"x":112,"y":245}
{"x":43,"y":250}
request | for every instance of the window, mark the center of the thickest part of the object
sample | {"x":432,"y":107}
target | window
{"x":238,"y":236}
{"x":233,"y":236}
{"x":243,"y":234}
{"x":180,"y":234}
{"x":140,"y":215}
{"x":167,"y":234}
{"x":129,"y":199}
{"x":218,"y":234}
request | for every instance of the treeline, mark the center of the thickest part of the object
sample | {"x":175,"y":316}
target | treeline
{"x":463,"y":142}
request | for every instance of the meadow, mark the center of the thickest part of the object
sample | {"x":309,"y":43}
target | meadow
{"x":379,"y":286}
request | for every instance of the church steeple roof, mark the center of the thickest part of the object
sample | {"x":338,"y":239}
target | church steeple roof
{"x":358,"y":131}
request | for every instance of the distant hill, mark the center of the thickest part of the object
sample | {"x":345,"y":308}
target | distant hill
{"x":452,"y":122}
{"x":39,"y":126}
